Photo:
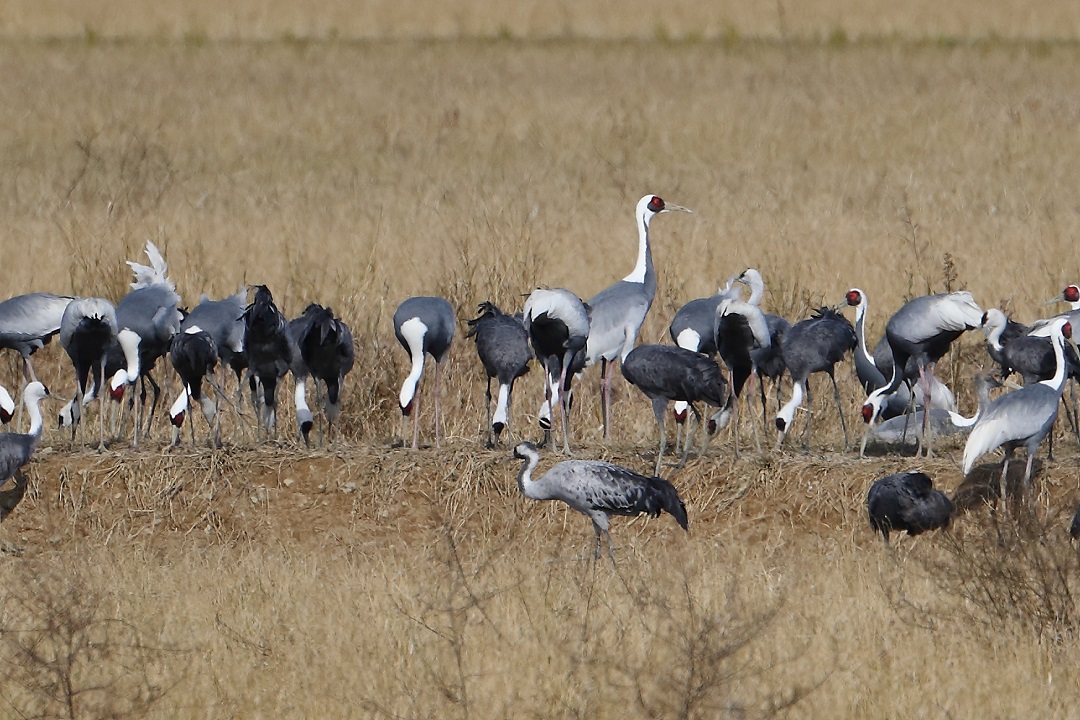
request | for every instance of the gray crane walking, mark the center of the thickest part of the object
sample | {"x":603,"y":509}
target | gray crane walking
{"x":923,"y":329}
{"x":665,"y":373}
{"x":618,"y":311}
{"x":28,"y":322}
{"x":269,"y":354}
{"x":558,"y":326}
{"x":424,"y":326}
{"x":194,"y":356}
{"x":907,"y":501}
{"x":503,"y":347}
{"x":599,"y":490}
{"x":813,"y":345}
{"x":16,"y":449}
{"x":1023,"y":417}
{"x":323,"y":349}
{"x":87,"y":330}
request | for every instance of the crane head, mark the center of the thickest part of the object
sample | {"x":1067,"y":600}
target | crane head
{"x":1071,"y":294}
{"x":854,"y":297}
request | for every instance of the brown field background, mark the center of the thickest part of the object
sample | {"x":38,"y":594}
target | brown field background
{"x":477,"y":152}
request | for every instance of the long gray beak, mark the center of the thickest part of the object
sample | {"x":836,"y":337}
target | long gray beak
{"x":669,"y":207}
{"x":1060,"y":297}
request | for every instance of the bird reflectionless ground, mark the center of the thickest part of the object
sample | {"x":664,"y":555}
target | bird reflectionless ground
{"x":357,"y":157}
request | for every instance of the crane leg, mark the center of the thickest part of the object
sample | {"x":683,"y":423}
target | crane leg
{"x":840,"y":410}
{"x":610,"y":547}
{"x":438,"y":393}
{"x":926,"y":442}
{"x":659,"y":410}
{"x":809,"y":416}
{"x":487,"y":397}
{"x":564,"y":406}
{"x":416,"y":420}
{"x":692,"y":434}
{"x":1003,"y":484}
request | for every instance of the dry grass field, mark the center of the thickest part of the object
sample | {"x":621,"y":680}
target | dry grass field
{"x":358,"y":156}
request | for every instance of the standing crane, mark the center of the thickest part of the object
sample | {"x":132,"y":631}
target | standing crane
{"x":324,"y":350}
{"x":28,"y":322}
{"x":424,"y":326}
{"x":16,"y":449}
{"x":224,"y":320}
{"x":1023,"y":417}
{"x":618,"y":311}
{"x":599,"y":490}
{"x":813,"y":345}
{"x":87,"y":329}
{"x":741,"y":328}
{"x":907,"y":501}
{"x":665,"y":373}
{"x":923,"y":329}
{"x":503,"y":346}
{"x":194,"y":356}
{"x":269,"y":355}
{"x":558,"y":327}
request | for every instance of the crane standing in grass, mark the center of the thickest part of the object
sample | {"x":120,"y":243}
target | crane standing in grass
{"x":599,"y":490}
{"x":617,"y":312}
{"x":16,"y":449}
{"x":424,"y":326}
{"x":503,"y":347}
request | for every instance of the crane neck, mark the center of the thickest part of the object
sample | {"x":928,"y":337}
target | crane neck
{"x":1057,"y":382}
{"x":787,"y":413}
{"x":33,"y":408}
{"x":413,"y":330}
{"x":644,"y":272}
{"x":757,"y":290}
{"x":860,"y":332}
{"x":524,"y":478}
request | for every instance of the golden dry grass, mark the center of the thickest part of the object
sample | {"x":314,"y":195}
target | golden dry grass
{"x":360,"y":581}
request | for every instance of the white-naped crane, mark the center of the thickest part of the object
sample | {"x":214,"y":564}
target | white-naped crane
{"x":1021,"y":418}
{"x":665,"y":373}
{"x":269,"y":355}
{"x":28,"y":322}
{"x":224,"y":320}
{"x":599,"y":490}
{"x":557,"y":323}
{"x":923,"y":328}
{"x":903,"y":430}
{"x":617,"y":312}
{"x":87,"y":330}
{"x":323,"y":350}
{"x":810,"y":346}
{"x":503,"y":347}
{"x":1070,"y":295}
{"x":16,"y":449}
{"x":874,"y":369}
{"x":7,"y":406}
{"x":424,"y":326}
{"x":741,"y":328}
{"x":194,"y":356}
{"x":907,"y":501}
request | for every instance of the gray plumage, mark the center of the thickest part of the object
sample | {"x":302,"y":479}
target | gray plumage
{"x":224,"y":320}
{"x":16,"y":449}
{"x":599,"y":490}
{"x":904,"y":430}
{"x":618,"y":311}
{"x":814,"y":345}
{"x":269,"y":354}
{"x":665,"y":373}
{"x":557,"y":323}
{"x":87,"y":330}
{"x":1021,"y":418}
{"x":322,"y":349}
{"x":28,"y":322}
{"x":194,"y":356}
{"x":923,"y":329}
{"x":907,"y":501}
{"x":503,"y":347}
{"x":424,"y":326}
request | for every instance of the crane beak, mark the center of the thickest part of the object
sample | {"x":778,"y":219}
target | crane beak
{"x":1060,"y":297}
{"x":669,"y":207}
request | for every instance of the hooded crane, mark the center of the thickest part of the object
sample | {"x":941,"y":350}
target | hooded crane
{"x":557,"y":323}
{"x":665,"y":373}
{"x":923,"y":329}
{"x":1023,"y":417}
{"x":907,"y":501}
{"x":28,"y":323}
{"x":424,"y":326}
{"x":617,"y":312}
{"x":194,"y":356}
{"x":503,"y":347}
{"x":813,"y":345}
{"x":87,"y":330}
{"x":324,"y":350}
{"x":17,"y":448}
{"x":269,"y":355}
{"x":875,"y":369}
{"x":599,"y":490}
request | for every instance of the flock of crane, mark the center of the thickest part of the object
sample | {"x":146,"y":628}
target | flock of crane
{"x":116,"y":346}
